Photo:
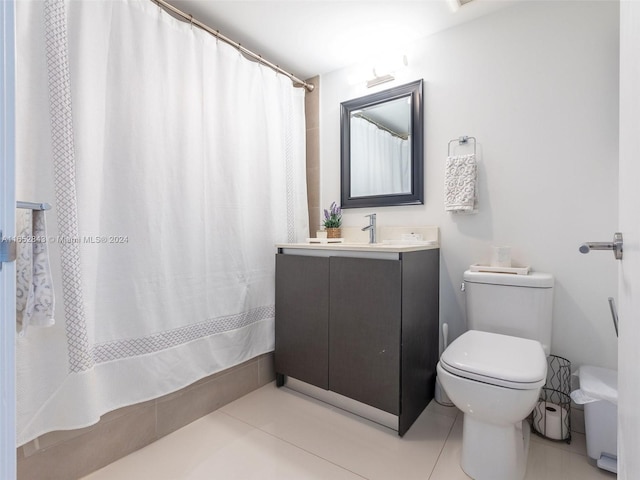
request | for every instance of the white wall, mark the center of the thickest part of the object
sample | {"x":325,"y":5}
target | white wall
{"x":537,"y":85}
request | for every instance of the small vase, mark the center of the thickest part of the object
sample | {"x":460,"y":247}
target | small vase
{"x":333,"y":233}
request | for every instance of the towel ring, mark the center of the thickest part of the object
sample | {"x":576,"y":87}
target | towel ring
{"x":461,"y":141}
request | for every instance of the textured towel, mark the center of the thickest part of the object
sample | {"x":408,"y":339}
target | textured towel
{"x":460,"y":189}
{"x":34,"y":286}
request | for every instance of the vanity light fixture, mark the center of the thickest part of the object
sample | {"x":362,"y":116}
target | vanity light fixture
{"x":378,"y":80}
{"x":384,"y":70}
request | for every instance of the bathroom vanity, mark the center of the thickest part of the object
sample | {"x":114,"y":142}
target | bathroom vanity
{"x":357,"y":326}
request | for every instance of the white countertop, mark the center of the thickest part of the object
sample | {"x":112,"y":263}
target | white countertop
{"x":398,"y":247}
{"x":355,"y":240}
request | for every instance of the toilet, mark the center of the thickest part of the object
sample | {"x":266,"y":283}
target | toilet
{"x":494,"y":372}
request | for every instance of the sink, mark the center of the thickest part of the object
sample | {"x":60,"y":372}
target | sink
{"x":405,"y":243}
{"x":385,"y":245}
{"x":394,"y":240}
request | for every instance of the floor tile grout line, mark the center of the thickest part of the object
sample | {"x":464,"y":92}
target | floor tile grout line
{"x":444,"y":444}
{"x":435,"y":412}
{"x":294,"y":445}
{"x":332,"y":407}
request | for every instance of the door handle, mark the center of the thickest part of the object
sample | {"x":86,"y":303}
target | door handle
{"x":616,"y":246}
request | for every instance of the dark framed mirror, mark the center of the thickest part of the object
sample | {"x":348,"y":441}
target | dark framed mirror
{"x":382,"y":145}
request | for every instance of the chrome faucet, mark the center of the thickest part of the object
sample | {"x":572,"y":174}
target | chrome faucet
{"x":371,"y":227}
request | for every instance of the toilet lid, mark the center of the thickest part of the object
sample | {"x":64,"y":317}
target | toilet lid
{"x":501,"y":360}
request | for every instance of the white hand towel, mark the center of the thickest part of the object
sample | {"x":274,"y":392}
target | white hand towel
{"x":34,"y":286}
{"x":460,"y":184}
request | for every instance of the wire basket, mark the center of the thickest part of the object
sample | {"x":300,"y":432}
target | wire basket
{"x":552,"y":415}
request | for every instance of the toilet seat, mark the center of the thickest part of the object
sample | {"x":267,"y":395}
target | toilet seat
{"x":496,"y":359}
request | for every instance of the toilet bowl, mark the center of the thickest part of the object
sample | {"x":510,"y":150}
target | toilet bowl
{"x":495,"y":380}
{"x":494,"y":372}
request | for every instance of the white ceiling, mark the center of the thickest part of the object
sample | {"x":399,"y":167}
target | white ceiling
{"x":309,"y":37}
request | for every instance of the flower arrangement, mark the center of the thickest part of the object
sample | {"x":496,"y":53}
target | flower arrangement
{"x":333,"y":216}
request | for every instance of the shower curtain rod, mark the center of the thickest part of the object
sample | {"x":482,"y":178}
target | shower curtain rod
{"x":402,"y":136}
{"x":246,"y":51}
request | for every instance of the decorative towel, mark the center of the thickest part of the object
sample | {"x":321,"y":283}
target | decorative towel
{"x":34,"y":285}
{"x":460,"y":184}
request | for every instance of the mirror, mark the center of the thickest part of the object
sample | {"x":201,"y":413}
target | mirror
{"x":382,"y":148}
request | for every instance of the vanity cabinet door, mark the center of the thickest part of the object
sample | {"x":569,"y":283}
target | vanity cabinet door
{"x":364,"y":331}
{"x":302,"y":318}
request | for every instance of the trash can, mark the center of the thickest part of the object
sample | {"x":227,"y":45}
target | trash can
{"x":598,"y":393}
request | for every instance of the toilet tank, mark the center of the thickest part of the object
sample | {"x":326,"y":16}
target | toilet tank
{"x":516,"y":305}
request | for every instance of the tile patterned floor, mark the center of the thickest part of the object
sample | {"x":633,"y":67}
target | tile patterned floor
{"x":279,"y":434}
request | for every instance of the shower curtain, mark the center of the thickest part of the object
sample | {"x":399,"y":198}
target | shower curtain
{"x":173,"y":165}
{"x":380,"y":161}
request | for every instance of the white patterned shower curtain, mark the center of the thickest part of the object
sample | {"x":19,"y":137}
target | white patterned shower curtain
{"x":380,"y":161}
{"x":173,"y":165}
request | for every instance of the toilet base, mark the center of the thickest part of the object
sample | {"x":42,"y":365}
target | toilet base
{"x":494,"y":452}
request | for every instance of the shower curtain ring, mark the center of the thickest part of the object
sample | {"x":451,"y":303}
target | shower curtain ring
{"x":191,"y":21}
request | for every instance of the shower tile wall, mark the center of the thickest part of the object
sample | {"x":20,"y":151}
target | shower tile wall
{"x":312,"y":116}
{"x":75,"y":453}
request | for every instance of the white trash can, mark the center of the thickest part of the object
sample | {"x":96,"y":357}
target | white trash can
{"x":599,"y":394}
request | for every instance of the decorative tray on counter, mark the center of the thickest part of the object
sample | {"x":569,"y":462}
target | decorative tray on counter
{"x":512,"y":270}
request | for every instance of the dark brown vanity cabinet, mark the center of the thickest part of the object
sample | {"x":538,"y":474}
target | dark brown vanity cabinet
{"x":302,"y":313}
{"x":366,"y":328}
